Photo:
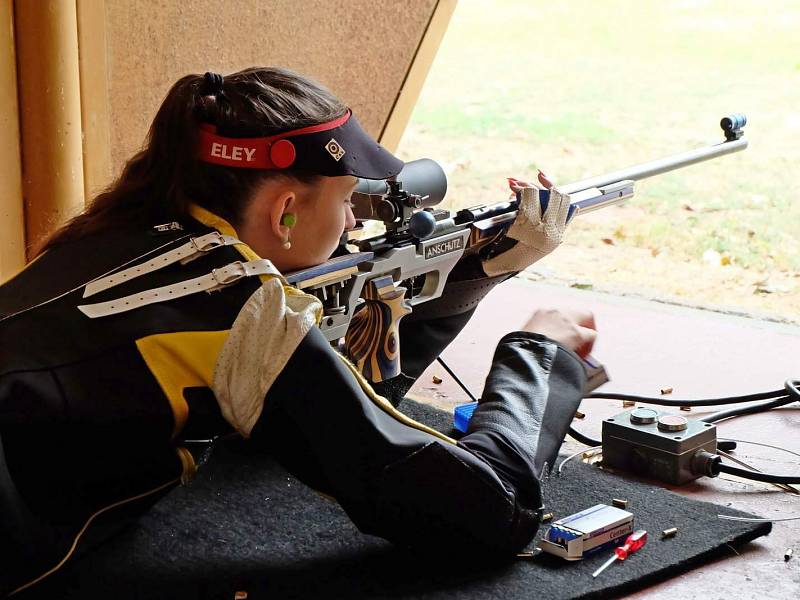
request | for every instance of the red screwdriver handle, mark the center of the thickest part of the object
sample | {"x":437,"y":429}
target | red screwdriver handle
{"x":633,"y":543}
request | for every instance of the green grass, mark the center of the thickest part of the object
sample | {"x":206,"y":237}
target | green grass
{"x":584,"y":87}
{"x":499,"y":123}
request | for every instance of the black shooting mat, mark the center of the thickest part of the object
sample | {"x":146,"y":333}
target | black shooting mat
{"x":244,"y":524}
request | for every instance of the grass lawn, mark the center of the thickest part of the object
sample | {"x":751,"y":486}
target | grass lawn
{"x":582,"y":87}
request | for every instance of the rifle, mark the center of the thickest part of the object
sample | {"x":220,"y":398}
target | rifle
{"x":365,"y":294}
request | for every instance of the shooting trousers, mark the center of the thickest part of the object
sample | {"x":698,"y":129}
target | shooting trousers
{"x":98,"y":416}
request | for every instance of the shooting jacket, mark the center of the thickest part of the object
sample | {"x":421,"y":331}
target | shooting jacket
{"x":100,"y":417}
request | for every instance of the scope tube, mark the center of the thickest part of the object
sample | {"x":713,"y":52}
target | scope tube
{"x":422,"y":177}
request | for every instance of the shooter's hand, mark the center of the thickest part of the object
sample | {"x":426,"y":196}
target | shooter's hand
{"x":517,"y":185}
{"x":573,"y":329}
{"x":537,"y":233}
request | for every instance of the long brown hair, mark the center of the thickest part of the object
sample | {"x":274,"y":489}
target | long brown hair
{"x":158,"y":184}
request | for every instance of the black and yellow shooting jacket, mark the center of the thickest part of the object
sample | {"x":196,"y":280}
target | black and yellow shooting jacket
{"x":97,"y":415}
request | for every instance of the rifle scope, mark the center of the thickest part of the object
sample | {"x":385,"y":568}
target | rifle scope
{"x":423,"y":182}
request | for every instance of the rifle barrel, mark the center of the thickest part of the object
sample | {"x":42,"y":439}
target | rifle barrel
{"x":656,"y":167}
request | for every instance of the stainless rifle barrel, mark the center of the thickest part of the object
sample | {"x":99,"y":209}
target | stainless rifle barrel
{"x":656,"y":167}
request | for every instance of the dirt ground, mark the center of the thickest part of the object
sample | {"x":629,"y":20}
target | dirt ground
{"x":519,"y":85}
{"x":599,"y":262}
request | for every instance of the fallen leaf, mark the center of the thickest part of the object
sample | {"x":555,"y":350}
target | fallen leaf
{"x":608,"y":241}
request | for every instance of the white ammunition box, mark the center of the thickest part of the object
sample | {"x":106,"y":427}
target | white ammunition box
{"x":586,"y":532}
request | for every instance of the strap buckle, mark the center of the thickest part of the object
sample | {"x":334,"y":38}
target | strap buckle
{"x":230,"y":273}
{"x":208,"y":242}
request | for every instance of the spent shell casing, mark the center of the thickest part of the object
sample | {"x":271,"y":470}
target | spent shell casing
{"x":547,"y":517}
{"x":619,"y":503}
{"x":668,"y":533}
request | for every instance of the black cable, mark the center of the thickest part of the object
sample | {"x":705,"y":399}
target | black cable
{"x":583,"y":439}
{"x":747,"y":410}
{"x":454,"y":376}
{"x":790,"y":394}
{"x":756,"y":476}
{"x":699,"y":402}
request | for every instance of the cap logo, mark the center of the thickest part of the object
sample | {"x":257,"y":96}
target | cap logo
{"x":334,"y":149}
{"x":234,"y":153}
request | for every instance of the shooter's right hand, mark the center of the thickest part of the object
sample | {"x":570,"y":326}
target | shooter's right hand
{"x":573,"y":329}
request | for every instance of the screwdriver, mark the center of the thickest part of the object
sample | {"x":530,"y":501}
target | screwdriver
{"x":635,"y":541}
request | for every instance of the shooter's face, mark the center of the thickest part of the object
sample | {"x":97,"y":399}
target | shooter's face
{"x":323,"y":213}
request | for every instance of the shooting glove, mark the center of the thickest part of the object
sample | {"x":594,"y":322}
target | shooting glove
{"x":536,"y":234}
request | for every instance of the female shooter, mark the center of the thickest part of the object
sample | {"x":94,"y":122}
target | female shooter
{"x":159,"y":315}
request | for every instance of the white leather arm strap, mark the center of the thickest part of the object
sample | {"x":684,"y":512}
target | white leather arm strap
{"x":217,"y":279}
{"x":185,"y":253}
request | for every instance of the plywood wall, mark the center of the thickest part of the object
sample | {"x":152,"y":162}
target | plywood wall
{"x":109,"y":63}
{"x":361,"y":49}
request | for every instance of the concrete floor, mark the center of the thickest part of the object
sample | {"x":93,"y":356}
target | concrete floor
{"x":647,"y":346}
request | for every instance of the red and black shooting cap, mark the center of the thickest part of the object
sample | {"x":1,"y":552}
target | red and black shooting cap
{"x":338,"y":147}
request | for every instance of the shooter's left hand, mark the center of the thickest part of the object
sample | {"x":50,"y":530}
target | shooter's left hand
{"x":537,"y":232}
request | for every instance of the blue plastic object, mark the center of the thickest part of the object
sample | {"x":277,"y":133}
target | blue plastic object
{"x":462,"y":414}
{"x":544,"y":202}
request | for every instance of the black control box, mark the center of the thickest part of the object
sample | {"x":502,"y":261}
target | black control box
{"x":660,"y":445}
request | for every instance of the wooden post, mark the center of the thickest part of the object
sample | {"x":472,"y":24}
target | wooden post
{"x":12,"y":220}
{"x":50,"y":107}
